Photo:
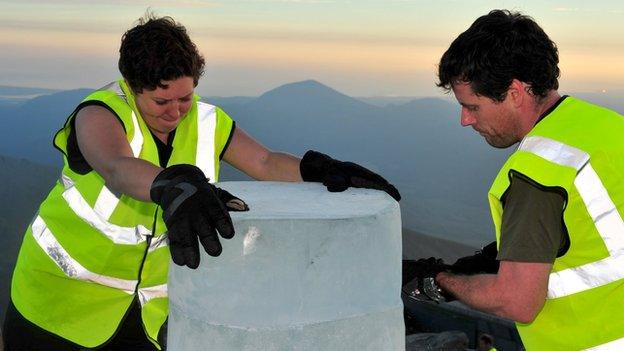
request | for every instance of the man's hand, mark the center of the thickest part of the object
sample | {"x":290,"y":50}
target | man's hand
{"x":419,"y":280}
{"x":193,"y":209}
{"x":338,"y":175}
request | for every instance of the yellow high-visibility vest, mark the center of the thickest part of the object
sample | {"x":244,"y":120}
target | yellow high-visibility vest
{"x":578,"y":147}
{"x":90,"y":252}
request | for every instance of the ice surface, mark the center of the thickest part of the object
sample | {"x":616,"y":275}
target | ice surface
{"x":306,"y":270}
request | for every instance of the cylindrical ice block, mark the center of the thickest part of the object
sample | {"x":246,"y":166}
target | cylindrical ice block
{"x":306,"y":270}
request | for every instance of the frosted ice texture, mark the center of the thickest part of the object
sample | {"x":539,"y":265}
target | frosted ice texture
{"x":306,"y":270}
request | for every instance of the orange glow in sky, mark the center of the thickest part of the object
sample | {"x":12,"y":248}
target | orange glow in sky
{"x":374,"y":48}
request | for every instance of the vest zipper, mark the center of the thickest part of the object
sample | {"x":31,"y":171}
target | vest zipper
{"x":148,"y":241}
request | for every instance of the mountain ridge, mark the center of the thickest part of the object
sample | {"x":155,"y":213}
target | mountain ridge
{"x":24,"y":185}
{"x":416,"y":146}
{"x":442,"y":170}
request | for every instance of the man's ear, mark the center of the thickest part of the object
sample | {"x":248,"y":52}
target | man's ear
{"x":517,"y":92}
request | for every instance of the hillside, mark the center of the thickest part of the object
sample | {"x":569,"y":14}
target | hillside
{"x":29,"y":127}
{"x":24,"y":186}
{"x":417,"y":245}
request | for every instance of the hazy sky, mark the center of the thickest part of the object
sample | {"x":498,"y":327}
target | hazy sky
{"x":362,"y":48}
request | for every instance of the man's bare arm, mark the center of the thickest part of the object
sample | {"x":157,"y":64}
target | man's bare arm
{"x":517,"y":292}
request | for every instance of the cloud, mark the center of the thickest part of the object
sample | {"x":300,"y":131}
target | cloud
{"x":588,"y":10}
{"x":163,"y":3}
{"x":155,"y":3}
{"x":566,"y":9}
{"x":296,"y":1}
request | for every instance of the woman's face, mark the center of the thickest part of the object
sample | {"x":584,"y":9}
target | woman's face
{"x":163,"y":109}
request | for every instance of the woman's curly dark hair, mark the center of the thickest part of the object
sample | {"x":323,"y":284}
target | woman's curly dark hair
{"x":497,"y":48}
{"x":155,"y":50}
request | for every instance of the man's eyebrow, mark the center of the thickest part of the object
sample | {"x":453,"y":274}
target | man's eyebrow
{"x":468,"y":105}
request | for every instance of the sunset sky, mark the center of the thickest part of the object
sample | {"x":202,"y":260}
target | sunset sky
{"x":362,"y":48}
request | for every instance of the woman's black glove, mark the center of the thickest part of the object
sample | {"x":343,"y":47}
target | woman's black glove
{"x":338,"y":175}
{"x":193,"y":208}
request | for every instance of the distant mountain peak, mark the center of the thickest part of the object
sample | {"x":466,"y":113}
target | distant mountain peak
{"x":307,"y":82}
{"x":309,"y":93}
{"x":309,"y":86}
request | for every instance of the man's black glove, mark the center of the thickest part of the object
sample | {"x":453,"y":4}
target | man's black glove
{"x":338,"y":175}
{"x":419,"y":280}
{"x":192,"y":209}
{"x":419,"y":276}
{"x":483,"y":261}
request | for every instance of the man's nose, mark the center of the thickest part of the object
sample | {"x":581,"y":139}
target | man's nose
{"x":466,"y":118}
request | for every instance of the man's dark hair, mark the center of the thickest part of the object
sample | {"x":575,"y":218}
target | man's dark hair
{"x":497,"y":48}
{"x":158,"y":49}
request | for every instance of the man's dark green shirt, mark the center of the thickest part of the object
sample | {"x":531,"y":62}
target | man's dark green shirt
{"x":532,"y":228}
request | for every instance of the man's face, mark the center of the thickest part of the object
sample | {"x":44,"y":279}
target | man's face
{"x":495,"y":121}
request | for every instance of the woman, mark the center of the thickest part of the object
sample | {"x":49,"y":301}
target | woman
{"x":140,"y":157}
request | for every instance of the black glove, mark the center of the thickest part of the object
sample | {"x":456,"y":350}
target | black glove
{"x":192,"y":209}
{"x":483,"y":261}
{"x":338,"y":175}
{"x":231,"y":202}
{"x":419,"y":280}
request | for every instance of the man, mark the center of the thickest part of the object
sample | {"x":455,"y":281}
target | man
{"x":557,"y":203}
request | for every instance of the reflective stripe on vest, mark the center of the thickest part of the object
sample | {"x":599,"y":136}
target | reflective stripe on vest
{"x":117,"y":234}
{"x":75,"y":270}
{"x":206,"y":128}
{"x":602,"y":210}
{"x":69,"y":265}
{"x":107,"y":201}
{"x":615,"y":345}
{"x":152,"y":292}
